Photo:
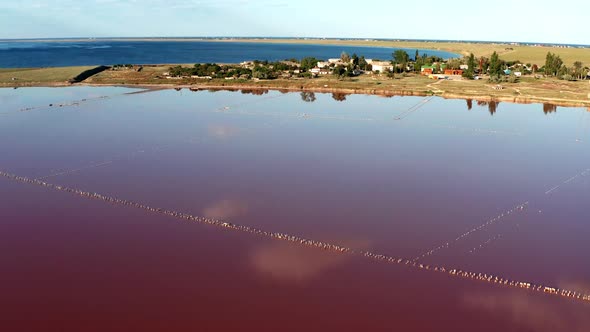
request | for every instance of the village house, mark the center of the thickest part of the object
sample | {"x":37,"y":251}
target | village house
{"x":319,"y":71}
{"x":247,"y":64}
{"x":322,"y":64}
{"x":453,"y":72}
{"x":431,"y":69}
{"x":427,"y":70}
{"x":381,"y":66}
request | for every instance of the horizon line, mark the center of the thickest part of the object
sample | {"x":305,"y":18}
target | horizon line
{"x":294,"y":38}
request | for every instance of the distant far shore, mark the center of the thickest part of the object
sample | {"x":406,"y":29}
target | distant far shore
{"x":528,"y":90}
{"x":526,"y":53}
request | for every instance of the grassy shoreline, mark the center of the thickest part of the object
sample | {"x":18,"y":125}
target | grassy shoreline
{"x":528,"y":90}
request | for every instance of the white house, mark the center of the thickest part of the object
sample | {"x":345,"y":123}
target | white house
{"x":463,"y":67}
{"x":381,"y":66}
{"x":322,"y":64}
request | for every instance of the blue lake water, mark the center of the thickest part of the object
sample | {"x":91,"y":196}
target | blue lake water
{"x":105,"y":52}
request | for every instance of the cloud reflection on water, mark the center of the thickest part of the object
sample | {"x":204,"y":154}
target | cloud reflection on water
{"x":222,"y":132}
{"x":291,"y":263}
{"x":225,"y":209}
{"x":532,"y":312}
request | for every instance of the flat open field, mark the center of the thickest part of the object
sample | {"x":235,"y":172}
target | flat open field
{"x":32,"y":76}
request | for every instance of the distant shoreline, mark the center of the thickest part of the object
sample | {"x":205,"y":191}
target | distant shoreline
{"x":294,"y":39}
{"x":508,"y":51}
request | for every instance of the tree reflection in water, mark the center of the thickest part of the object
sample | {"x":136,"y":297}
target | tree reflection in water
{"x":339,"y":96}
{"x":308,"y":97}
{"x":492,"y":105}
{"x":549,"y":108}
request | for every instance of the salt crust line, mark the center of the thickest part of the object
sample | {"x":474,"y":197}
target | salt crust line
{"x":414,"y":108}
{"x":63,"y":104}
{"x":488,"y":278}
{"x":498,"y":219}
{"x":76,"y":170}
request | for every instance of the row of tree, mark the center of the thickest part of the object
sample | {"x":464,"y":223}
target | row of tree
{"x":259,"y":69}
{"x":401,"y":63}
{"x":494,"y":66}
{"x":554,"y":66}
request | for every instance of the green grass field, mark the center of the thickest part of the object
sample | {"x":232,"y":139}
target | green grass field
{"x":27,"y":76}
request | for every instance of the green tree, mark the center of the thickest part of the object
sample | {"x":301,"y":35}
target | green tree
{"x":470,"y":72}
{"x":362,"y":63}
{"x":308,"y":63}
{"x":453,"y":64}
{"x":344,"y":57}
{"x":495,"y":68}
{"x":355,"y":60}
{"x":400,"y":57}
{"x":553,"y":64}
{"x":263,"y":72}
{"x":578,"y":66}
{"x":339,"y":71}
{"x":418,"y":63}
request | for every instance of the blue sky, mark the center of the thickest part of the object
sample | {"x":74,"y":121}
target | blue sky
{"x":506,"y":20}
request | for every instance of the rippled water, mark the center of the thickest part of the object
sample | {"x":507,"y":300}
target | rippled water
{"x":434,"y":185}
{"x":108,"y":52}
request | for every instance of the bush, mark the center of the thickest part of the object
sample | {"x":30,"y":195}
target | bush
{"x":513,"y":79}
{"x":497,"y":79}
{"x":468,"y":74}
{"x":568,"y":77}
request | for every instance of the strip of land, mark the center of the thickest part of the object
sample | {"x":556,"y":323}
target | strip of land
{"x":527,"y":90}
{"x":54,"y":76}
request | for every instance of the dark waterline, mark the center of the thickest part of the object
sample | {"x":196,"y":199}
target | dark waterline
{"x":330,"y":167}
{"x":67,"y":53}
